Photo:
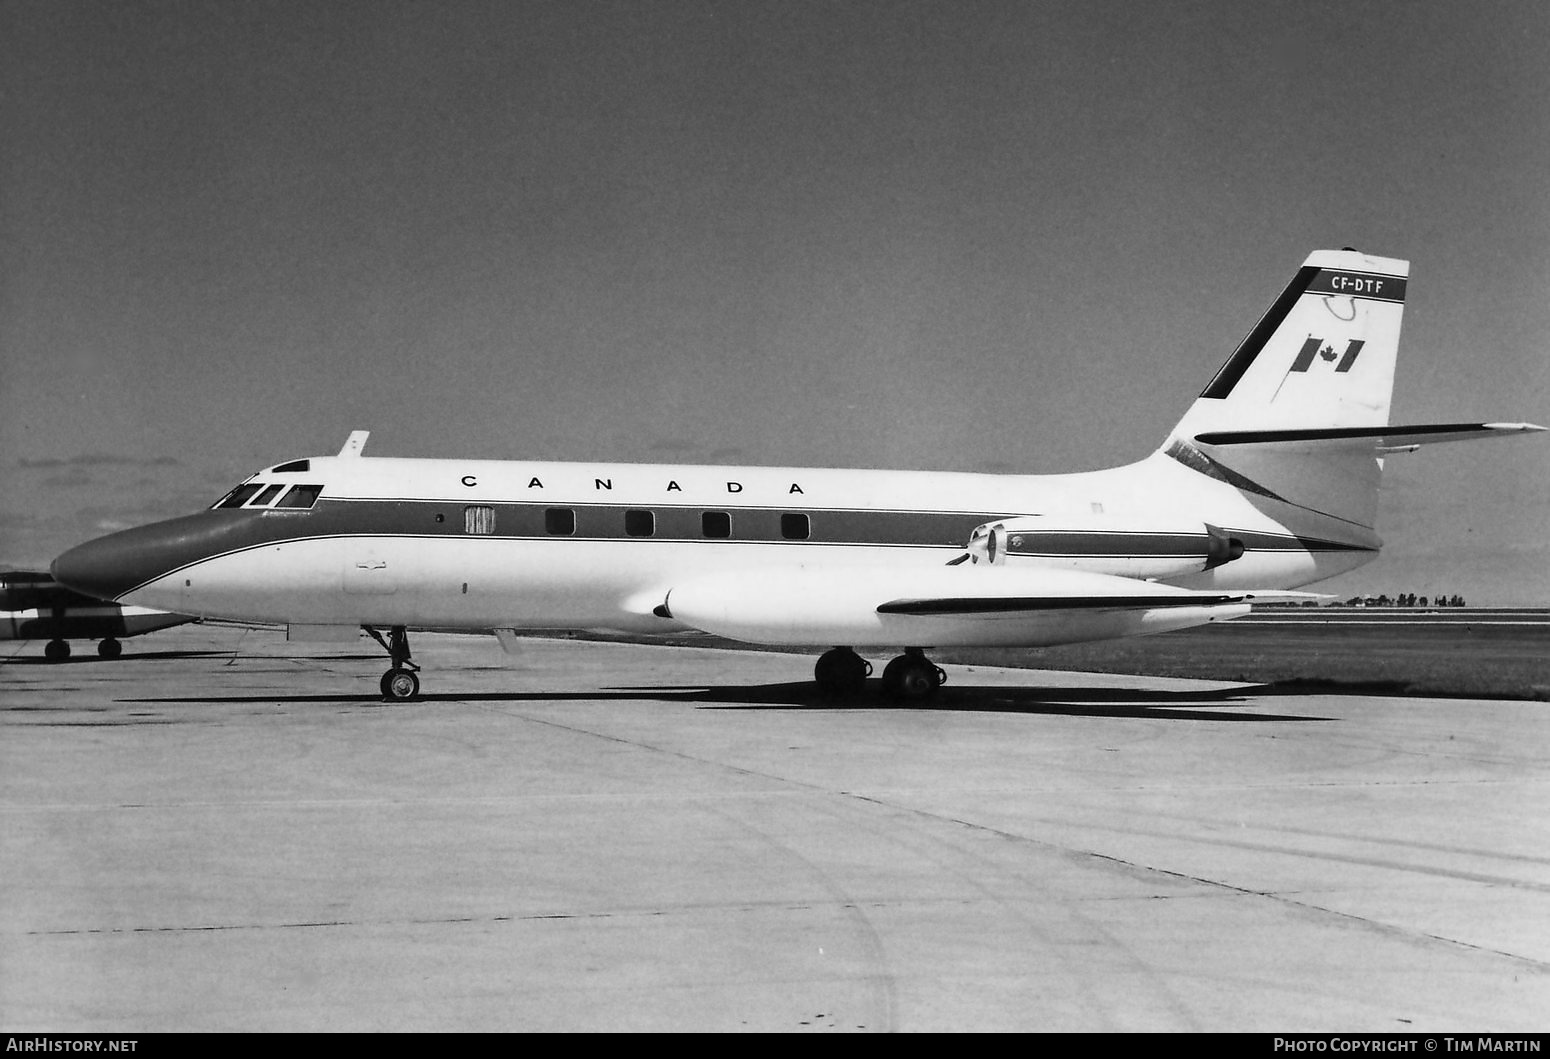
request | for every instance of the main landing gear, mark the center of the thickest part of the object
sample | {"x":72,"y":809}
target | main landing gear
{"x":399,"y":684}
{"x":841,"y":673}
{"x":59,"y":650}
{"x":912,"y":677}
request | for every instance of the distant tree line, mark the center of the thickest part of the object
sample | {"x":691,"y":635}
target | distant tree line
{"x":1403,"y":599}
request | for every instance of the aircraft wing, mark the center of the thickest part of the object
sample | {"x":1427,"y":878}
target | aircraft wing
{"x":972,"y":605}
{"x":941,"y":606}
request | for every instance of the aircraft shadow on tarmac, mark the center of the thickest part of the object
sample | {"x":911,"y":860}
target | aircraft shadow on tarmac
{"x":168,"y":656}
{"x":123,"y":659}
{"x":1207,"y":705}
{"x":1203,"y":705}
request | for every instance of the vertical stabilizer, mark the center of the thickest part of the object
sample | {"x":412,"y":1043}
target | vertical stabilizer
{"x":1322,"y":357}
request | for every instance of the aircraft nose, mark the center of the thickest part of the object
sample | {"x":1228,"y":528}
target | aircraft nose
{"x":113,"y":566}
{"x":105,"y":568}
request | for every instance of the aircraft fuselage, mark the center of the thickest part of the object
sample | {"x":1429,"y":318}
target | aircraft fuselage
{"x":466,"y":544}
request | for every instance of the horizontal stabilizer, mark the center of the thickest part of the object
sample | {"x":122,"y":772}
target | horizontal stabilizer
{"x":1374,"y":439}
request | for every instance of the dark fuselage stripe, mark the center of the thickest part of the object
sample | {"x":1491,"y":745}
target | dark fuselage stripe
{"x":152,"y":552}
{"x":1137,"y":544}
{"x":528,"y":520}
{"x":761,"y":525}
{"x":417,"y":519}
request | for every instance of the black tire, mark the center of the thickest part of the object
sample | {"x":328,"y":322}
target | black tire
{"x":57,"y":650}
{"x":911,"y":679}
{"x":841,"y":672}
{"x":110,"y":648}
{"x":400,"y":685}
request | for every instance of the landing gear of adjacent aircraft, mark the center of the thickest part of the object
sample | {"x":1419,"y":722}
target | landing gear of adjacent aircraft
{"x":110,"y":648}
{"x":399,"y":684}
{"x":912,"y":677}
{"x":841,"y":672}
{"x":57,"y":650}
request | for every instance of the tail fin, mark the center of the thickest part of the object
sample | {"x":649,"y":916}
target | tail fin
{"x":1322,"y":357}
{"x":1299,"y":414}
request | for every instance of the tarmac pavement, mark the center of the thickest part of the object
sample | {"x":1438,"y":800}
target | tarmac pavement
{"x":224,"y":831}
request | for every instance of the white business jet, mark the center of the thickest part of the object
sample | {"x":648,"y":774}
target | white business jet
{"x":1270,"y":481}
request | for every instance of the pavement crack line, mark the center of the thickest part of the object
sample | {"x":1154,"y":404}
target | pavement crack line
{"x":746,"y":908}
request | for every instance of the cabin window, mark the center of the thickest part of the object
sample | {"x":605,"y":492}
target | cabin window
{"x":269,"y":493}
{"x":559,"y":521}
{"x":478,"y":518}
{"x":716,"y":524}
{"x":794,"y":527}
{"x":294,"y":465}
{"x":640,"y":523}
{"x":240,"y":495}
{"x":300,"y":497}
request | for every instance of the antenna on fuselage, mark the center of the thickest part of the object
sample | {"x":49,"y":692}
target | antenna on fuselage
{"x":355,"y":443}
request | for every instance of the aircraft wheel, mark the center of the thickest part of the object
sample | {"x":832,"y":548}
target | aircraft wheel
{"x":400,"y":685}
{"x":110,"y":648}
{"x":841,"y":672}
{"x":57,"y":650}
{"x":912,"y":678}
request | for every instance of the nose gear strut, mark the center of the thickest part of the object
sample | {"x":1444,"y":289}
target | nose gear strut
{"x":399,"y":684}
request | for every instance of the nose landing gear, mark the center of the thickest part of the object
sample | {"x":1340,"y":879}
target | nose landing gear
{"x":399,"y":684}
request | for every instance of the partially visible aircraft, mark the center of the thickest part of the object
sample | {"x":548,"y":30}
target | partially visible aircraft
{"x":34,"y":606}
{"x":1270,"y":481}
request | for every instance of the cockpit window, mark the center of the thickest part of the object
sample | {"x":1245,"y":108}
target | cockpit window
{"x":269,"y":493}
{"x":300,"y":496}
{"x":294,"y":465}
{"x":240,"y":495}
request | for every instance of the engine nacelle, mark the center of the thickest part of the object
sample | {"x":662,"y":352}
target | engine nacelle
{"x":1105,"y":545}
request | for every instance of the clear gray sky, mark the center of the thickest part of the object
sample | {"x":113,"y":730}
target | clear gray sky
{"x":959,"y":235}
